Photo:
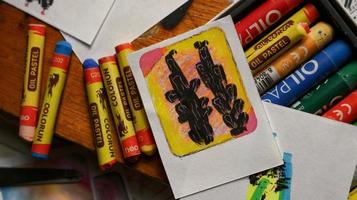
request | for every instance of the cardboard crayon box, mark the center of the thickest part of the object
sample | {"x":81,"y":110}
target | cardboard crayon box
{"x":331,"y":11}
{"x":337,"y":13}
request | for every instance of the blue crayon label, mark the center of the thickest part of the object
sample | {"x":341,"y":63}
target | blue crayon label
{"x":306,"y":77}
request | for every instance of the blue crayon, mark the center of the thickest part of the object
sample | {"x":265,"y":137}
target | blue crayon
{"x":309,"y":75}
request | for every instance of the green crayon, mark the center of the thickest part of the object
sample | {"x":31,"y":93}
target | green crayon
{"x":355,"y":123}
{"x":333,"y":89}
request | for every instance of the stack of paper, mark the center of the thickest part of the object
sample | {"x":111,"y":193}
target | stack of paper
{"x":213,"y":134}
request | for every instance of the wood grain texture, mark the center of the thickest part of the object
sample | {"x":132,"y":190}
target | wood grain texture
{"x":73,"y":118}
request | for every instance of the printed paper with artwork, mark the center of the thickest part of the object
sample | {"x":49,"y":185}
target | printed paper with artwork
{"x":204,"y":109}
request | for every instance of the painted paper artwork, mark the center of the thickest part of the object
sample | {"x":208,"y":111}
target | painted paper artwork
{"x":272,"y":184}
{"x":197,"y":92}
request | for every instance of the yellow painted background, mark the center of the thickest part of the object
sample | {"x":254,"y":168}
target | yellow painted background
{"x":186,"y":57}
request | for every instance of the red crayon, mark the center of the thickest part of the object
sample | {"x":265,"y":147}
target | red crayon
{"x":264,"y":16}
{"x":346,"y":110}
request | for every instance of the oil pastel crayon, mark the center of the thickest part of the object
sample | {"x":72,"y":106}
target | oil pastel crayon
{"x":141,"y":124}
{"x":32,"y":81}
{"x":119,"y":104}
{"x":345,"y":110}
{"x":327,"y":94}
{"x":308,"y":14}
{"x":355,"y":123}
{"x":263,"y":17}
{"x":310,"y":74}
{"x":353,"y":194}
{"x":320,"y":35}
{"x":264,"y":56}
{"x":98,"y":112}
{"x":51,"y":102}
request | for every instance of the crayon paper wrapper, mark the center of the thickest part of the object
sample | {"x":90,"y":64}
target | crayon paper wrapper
{"x":103,"y":138}
{"x":157,"y":72}
{"x":34,"y":57}
{"x":50,"y":106}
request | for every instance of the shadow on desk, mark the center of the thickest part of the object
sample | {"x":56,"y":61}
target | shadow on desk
{"x":120,"y":183}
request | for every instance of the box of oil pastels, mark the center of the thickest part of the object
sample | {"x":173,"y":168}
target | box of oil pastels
{"x":300,"y":54}
{"x":202,"y":92}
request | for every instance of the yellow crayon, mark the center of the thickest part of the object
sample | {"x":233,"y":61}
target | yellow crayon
{"x":320,"y":35}
{"x":120,"y":108}
{"x":141,"y":124}
{"x":32,"y":81}
{"x":98,"y":111}
{"x":353,"y":194}
{"x":308,"y":14}
{"x":264,"y":56}
{"x":55,"y":84}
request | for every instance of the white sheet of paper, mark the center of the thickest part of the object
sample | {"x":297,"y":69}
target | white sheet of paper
{"x":226,"y":161}
{"x":80,"y":18}
{"x":324,"y":157}
{"x":127,"y":20}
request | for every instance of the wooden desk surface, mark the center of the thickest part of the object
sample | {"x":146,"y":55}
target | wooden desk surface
{"x":73,"y":118}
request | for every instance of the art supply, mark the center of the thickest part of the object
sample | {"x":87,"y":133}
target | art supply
{"x":310,"y":74}
{"x":355,"y":123}
{"x":345,"y":110}
{"x":141,"y":124}
{"x":98,"y":112}
{"x":353,"y":194}
{"x":264,"y":56}
{"x":263,"y":17}
{"x":32,"y":81}
{"x":330,"y":91}
{"x":320,"y":35}
{"x":50,"y":105}
{"x":308,"y":14}
{"x":120,"y":108}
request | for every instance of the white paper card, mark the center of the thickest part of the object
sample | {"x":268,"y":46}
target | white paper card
{"x":323,"y":157}
{"x":193,"y":120}
{"x":80,"y":18}
{"x":127,"y":20}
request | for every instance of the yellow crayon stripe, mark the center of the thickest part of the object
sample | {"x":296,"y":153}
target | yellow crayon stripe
{"x":98,"y":110}
{"x":141,"y":124}
{"x":305,"y":15}
{"x":119,"y":106}
{"x":265,"y":55}
{"x":32,"y":81}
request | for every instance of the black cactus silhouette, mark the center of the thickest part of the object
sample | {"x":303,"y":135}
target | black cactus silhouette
{"x":225,"y":100}
{"x":190,"y":108}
